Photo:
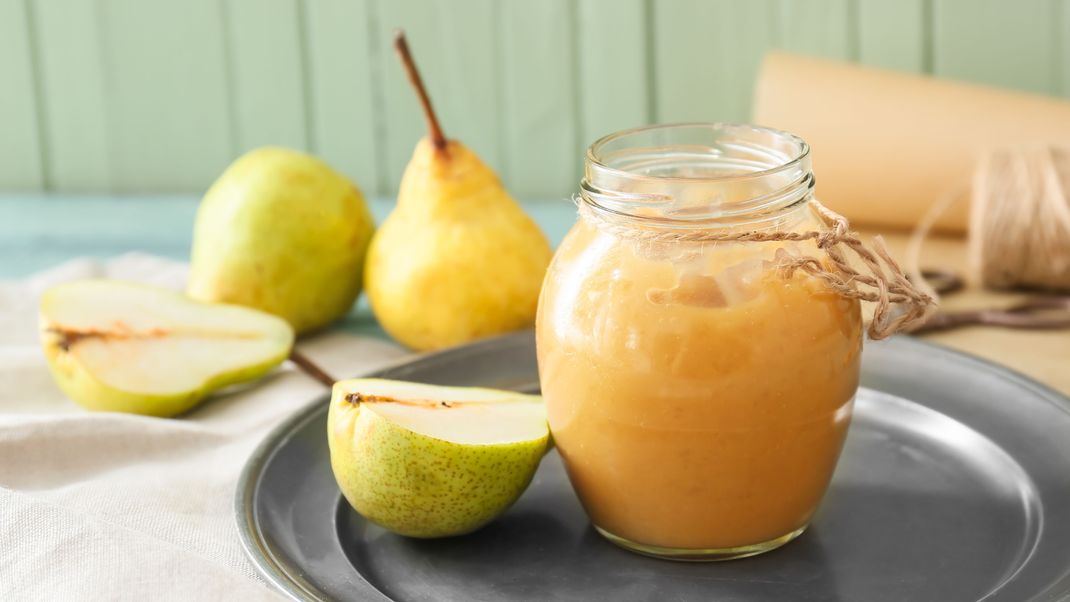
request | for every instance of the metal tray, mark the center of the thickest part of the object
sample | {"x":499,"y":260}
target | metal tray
{"x":954,"y":485}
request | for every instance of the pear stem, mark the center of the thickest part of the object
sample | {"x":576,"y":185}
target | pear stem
{"x":310,"y":368}
{"x":433,"y":128}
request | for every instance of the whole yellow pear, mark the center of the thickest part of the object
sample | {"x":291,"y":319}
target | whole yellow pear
{"x":457,"y":259}
{"x":282,"y":232}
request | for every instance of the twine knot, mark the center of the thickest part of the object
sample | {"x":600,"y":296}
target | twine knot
{"x":900,"y":306}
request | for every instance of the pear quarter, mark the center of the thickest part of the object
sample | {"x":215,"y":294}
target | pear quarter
{"x":421,"y":486}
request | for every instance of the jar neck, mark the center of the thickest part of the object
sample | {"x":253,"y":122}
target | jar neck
{"x":698,"y":176}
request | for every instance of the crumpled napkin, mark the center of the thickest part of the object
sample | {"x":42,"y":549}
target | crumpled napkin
{"x":106,"y":506}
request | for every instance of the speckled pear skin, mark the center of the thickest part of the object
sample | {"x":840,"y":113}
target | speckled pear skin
{"x":456,"y":237}
{"x":282,"y":232}
{"x":420,"y":486}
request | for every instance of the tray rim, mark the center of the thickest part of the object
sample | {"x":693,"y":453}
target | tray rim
{"x":270,"y":568}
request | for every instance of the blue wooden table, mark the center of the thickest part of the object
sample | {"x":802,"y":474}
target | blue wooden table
{"x":39,"y":231}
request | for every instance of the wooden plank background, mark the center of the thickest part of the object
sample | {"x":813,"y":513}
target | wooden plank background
{"x":159,"y":96}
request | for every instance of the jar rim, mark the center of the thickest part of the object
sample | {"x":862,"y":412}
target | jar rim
{"x":802,"y":154}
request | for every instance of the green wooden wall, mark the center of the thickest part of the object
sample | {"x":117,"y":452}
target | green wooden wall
{"x":159,"y":95}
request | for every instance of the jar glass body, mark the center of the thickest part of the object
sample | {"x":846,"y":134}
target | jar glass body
{"x":698,"y":395}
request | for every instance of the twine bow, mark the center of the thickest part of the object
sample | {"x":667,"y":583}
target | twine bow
{"x":900,"y":306}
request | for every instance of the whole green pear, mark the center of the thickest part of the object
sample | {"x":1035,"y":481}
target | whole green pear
{"x":282,"y":232}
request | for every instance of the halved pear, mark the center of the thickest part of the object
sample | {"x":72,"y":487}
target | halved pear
{"x":125,"y":347}
{"x":433,"y":461}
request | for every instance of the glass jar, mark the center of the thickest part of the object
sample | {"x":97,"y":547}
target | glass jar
{"x":698,"y":393}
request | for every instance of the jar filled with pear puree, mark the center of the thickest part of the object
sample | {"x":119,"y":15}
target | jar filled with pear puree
{"x":698,"y":393}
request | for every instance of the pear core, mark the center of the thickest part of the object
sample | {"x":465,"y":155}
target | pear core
{"x":470,"y":415}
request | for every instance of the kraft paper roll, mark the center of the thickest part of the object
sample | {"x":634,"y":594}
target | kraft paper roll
{"x":886,"y":146}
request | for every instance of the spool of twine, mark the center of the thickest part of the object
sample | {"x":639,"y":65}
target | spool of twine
{"x":1020,"y":219}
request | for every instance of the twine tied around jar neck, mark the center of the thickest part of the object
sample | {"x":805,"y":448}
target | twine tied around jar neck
{"x":900,"y":306}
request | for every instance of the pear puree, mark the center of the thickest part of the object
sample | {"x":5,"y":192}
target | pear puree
{"x":698,"y":398}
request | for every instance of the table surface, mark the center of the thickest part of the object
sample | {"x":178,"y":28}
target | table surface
{"x":38,"y":231}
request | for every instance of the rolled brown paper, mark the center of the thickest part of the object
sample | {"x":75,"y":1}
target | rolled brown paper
{"x":886,"y":146}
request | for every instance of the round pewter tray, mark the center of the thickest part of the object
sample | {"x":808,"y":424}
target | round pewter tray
{"x":954,"y":485}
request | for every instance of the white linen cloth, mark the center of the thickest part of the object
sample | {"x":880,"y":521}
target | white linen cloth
{"x":108,"y":506}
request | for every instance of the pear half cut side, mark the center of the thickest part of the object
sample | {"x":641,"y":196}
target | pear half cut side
{"x":433,"y":461}
{"x":126,"y":347}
